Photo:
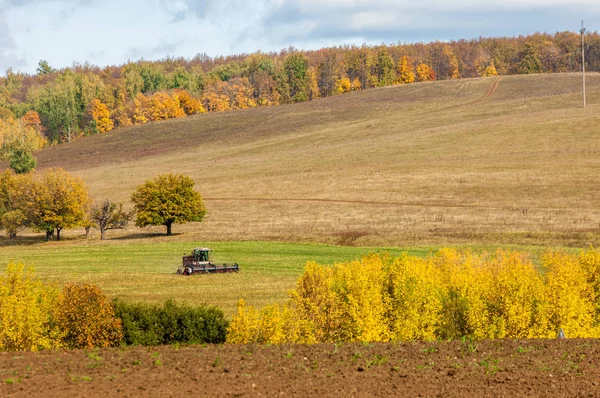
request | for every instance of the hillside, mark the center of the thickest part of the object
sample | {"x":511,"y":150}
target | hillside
{"x":492,"y":160}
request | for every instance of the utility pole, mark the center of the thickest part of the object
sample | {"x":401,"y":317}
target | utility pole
{"x":582,"y":31}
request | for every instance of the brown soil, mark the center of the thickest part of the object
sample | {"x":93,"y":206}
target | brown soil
{"x":490,"y":368}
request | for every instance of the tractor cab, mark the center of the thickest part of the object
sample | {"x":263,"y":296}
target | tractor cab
{"x":201,"y":255}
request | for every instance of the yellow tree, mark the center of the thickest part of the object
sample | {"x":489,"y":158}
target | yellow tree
{"x":453,"y":72}
{"x":214,"y":98}
{"x":490,"y":71}
{"x":190,"y":105}
{"x":343,"y":85}
{"x":25,"y":311}
{"x":425,"y":73}
{"x":13,"y":202}
{"x":101,"y":116}
{"x":163,"y":106}
{"x":356,"y":86}
{"x":141,"y":109}
{"x":56,"y":200}
{"x":406,"y":73}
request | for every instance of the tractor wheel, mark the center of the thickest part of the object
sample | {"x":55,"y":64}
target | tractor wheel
{"x":187,"y":271}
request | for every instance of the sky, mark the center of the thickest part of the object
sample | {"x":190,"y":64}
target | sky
{"x":113,"y":32}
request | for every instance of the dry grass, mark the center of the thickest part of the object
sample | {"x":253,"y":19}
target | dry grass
{"x":431,"y":163}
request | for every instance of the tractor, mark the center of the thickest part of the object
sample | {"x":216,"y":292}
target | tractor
{"x":199,"y":263}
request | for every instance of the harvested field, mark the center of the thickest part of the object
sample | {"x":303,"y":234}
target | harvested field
{"x":544,"y":368}
{"x":509,"y":160}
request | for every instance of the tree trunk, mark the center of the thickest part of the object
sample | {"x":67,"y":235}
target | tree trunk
{"x":87,"y":232}
{"x":49,"y":235}
{"x":102,"y":232}
{"x":168,"y":228}
{"x":58,"y":233}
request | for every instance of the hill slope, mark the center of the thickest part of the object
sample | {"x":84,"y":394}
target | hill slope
{"x":501,"y":160}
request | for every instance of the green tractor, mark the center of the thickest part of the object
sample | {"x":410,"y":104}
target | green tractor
{"x":199,"y":263}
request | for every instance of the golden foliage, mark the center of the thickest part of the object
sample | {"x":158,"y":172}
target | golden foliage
{"x":356,"y":86}
{"x":86,"y":318}
{"x":343,"y":85}
{"x":490,"y":71}
{"x":19,"y":134}
{"x":100,"y":113}
{"x":571,"y":299}
{"x":25,"y":308}
{"x":425,"y":73}
{"x":406,"y":72}
{"x":190,"y":105}
{"x":450,"y":295}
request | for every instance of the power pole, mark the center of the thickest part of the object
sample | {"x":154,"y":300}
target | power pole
{"x":582,"y":31}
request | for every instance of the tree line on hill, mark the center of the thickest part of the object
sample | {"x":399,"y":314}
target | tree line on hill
{"x":54,"y":200}
{"x":62,"y":105}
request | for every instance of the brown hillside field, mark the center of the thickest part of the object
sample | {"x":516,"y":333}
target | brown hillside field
{"x":513,"y":159}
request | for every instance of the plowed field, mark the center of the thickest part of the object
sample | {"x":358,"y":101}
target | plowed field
{"x":510,"y":368}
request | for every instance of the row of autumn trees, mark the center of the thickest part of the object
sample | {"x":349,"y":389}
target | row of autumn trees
{"x":54,"y":200}
{"x":86,"y":99}
{"x":449,"y":295}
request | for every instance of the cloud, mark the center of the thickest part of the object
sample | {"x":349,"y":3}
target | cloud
{"x":304,"y":21}
{"x":8,"y":49}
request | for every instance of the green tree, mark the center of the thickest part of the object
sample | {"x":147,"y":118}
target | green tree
{"x":22,"y":161}
{"x":530,"y":62}
{"x":296,"y":75}
{"x":384,"y":69}
{"x":168,"y":199}
{"x":44,"y":68}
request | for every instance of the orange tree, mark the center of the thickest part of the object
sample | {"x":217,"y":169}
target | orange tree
{"x":168,"y":199}
{"x":86,"y":318}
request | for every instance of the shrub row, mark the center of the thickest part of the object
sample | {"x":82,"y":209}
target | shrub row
{"x":450,"y":295}
{"x":145,"y":324}
{"x":35,"y":316}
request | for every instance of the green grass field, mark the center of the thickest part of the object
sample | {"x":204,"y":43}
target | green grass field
{"x":146,"y":271}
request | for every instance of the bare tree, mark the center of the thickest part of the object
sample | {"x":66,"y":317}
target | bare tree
{"x":109,"y":215}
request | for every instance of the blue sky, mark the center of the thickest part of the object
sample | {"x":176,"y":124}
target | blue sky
{"x":105,"y":32}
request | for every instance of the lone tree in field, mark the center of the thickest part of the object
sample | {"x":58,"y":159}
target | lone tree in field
{"x":56,"y":201}
{"x":108,"y":215}
{"x":168,"y":199}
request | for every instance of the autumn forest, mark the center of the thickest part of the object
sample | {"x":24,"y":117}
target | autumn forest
{"x":56,"y":106}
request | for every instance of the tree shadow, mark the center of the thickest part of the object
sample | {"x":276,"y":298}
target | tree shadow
{"x":21,"y":241}
{"x":144,"y":235}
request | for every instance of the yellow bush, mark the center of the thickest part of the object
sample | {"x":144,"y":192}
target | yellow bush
{"x":465,"y":279}
{"x":452,"y":294}
{"x":590,"y":263}
{"x":86,"y":318}
{"x":571,"y":300}
{"x":415,"y":298}
{"x":25,"y":304}
{"x":516,"y":297}
{"x":268,"y":325}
